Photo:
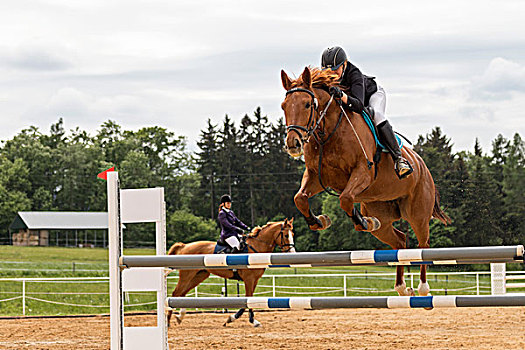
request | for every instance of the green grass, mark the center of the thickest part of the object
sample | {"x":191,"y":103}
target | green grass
{"x":26,"y":262}
{"x":61,"y":254}
{"x":40,"y":262}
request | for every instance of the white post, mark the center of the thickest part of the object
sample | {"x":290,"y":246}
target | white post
{"x":412,"y":280}
{"x":273,"y":285}
{"x":477,"y":283}
{"x":160,"y":234}
{"x":497,"y":278}
{"x":24,"y":297}
{"x":136,"y":206}
{"x":344,"y":285}
{"x":115,"y":275}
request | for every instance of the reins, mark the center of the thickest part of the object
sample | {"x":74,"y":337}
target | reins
{"x":280,"y":235}
{"x":368,"y":162}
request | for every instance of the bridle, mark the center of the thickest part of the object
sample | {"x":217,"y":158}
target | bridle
{"x":280,"y":237}
{"x":312,"y":124}
{"x":283,"y":245}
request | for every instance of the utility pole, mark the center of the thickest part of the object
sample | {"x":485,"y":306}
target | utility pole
{"x":212,"y":198}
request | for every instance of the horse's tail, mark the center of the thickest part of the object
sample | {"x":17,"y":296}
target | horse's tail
{"x":438,"y":213}
{"x":174,"y":250}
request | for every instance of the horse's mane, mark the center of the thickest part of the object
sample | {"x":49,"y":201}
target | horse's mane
{"x":258,"y":229}
{"x":321,"y":78}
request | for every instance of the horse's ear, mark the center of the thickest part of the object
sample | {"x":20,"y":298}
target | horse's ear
{"x":291,"y":220}
{"x":307,"y":77}
{"x":285,"y":222}
{"x":287,"y":83}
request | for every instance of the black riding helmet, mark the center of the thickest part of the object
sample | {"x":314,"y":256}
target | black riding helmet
{"x":226,"y":198}
{"x":333,"y":57}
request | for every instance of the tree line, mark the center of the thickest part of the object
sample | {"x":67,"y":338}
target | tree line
{"x":482,"y":191}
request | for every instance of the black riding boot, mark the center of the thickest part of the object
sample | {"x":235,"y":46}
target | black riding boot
{"x":389,"y":140}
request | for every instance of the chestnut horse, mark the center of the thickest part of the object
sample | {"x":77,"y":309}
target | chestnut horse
{"x":260,"y":240}
{"x":318,"y":126}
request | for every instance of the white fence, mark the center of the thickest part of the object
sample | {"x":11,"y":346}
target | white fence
{"x":477,"y":282}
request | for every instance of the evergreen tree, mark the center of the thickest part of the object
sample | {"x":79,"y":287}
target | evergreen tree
{"x":207,"y":168}
{"x":513,"y":188}
{"x":481,"y":225}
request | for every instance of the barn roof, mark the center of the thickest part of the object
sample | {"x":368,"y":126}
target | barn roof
{"x":60,"y":220}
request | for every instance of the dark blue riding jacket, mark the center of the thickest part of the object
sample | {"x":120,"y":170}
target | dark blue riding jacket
{"x":230,"y":225}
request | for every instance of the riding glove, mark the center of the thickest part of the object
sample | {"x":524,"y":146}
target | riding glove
{"x":336,"y":92}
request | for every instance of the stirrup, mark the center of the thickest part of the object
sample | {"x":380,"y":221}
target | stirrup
{"x":405,"y":171}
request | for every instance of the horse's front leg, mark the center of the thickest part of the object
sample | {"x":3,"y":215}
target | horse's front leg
{"x":359,"y":180}
{"x":310,"y":186}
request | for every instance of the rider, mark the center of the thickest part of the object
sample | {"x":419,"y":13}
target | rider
{"x":231,"y":227}
{"x":364,"y":91}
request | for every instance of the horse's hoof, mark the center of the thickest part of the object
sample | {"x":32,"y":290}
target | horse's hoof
{"x":325,"y":220}
{"x":410,"y":292}
{"x":230,"y":319}
{"x":257,"y":323}
{"x":373,"y":223}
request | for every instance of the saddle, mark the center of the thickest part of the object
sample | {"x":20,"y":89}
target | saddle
{"x":223,"y":248}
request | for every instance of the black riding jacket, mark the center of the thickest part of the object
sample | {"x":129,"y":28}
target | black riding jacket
{"x":357,"y":86}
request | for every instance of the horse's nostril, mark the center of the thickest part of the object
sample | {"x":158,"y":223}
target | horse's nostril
{"x":297,"y":143}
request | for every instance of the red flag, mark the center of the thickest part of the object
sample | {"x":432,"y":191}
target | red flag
{"x":104,"y":175}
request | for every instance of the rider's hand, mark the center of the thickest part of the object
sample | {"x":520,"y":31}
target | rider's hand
{"x":336,"y":92}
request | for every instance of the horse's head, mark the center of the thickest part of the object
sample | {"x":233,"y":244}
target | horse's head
{"x":301,"y":106}
{"x":284,"y":238}
{"x":280,"y":233}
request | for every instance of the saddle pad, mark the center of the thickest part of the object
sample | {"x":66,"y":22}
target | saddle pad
{"x":372,"y":128}
{"x":225,"y":249}
{"x":219,"y":248}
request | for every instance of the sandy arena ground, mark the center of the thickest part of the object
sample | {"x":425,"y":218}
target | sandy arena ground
{"x":481,"y":328}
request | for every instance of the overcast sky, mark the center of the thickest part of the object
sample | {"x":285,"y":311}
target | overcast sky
{"x":456,"y":64}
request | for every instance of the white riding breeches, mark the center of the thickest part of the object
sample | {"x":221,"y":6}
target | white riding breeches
{"x":233,"y":242}
{"x":378,"y":104}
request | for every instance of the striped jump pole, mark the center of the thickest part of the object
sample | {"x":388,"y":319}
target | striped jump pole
{"x":467,"y":255}
{"x":391,"y":302}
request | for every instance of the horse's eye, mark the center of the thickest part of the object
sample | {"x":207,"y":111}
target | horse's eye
{"x":307,"y":105}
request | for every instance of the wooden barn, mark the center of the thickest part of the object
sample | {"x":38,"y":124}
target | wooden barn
{"x":32,"y":228}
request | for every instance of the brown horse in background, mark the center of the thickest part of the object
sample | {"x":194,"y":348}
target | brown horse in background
{"x":260,"y":240}
{"x":315,"y":122}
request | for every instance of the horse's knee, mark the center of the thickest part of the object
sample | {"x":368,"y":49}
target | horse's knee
{"x":300,"y":199}
{"x":346,"y":202}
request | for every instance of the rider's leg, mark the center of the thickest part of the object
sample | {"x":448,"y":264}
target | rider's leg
{"x":386,"y":133}
{"x":389,"y":140}
{"x":234,"y":243}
